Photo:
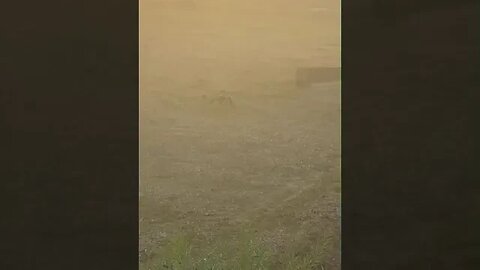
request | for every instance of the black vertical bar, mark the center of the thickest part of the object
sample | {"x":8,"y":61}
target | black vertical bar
{"x":69,"y":93}
{"x":410,"y":188}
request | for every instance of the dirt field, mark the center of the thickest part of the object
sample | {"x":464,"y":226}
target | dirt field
{"x":228,"y":143}
{"x":268,"y":162}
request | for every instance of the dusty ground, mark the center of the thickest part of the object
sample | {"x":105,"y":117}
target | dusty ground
{"x":270,"y":161}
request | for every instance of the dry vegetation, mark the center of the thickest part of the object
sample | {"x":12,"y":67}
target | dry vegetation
{"x":239,"y":168}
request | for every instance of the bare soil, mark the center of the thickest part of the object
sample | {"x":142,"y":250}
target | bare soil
{"x":269,"y":162}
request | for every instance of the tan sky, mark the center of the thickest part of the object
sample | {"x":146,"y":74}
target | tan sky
{"x":227,"y":41}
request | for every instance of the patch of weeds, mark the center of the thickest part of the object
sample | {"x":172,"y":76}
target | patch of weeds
{"x":305,"y":262}
{"x":213,"y":260}
{"x":251,"y":255}
{"x":313,"y":258}
{"x":177,"y":254}
{"x":242,"y":253}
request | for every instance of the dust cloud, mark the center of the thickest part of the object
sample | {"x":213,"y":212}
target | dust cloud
{"x":228,"y":140}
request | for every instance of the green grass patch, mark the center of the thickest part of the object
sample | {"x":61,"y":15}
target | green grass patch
{"x":240,"y":253}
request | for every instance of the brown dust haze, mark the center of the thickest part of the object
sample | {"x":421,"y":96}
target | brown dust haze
{"x":230,"y":145}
